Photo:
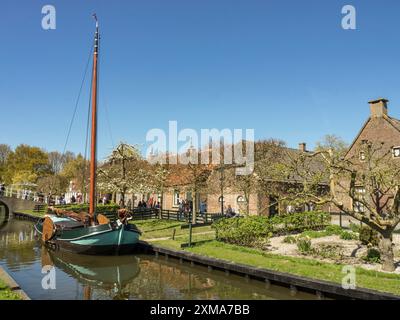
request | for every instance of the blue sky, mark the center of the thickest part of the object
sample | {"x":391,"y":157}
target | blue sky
{"x":285,"y":68}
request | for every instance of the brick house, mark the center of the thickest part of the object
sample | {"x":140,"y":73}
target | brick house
{"x":378,"y":128}
{"x":260,"y":203}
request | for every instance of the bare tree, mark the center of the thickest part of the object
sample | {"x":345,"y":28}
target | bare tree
{"x":364,"y":186}
{"x":5,"y":150}
{"x":58,"y":160}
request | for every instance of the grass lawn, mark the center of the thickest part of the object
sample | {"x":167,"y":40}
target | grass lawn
{"x":379,"y":281}
{"x":154,"y":228}
{"x":6,"y":293}
{"x":300,"y":266}
{"x":39,"y":214}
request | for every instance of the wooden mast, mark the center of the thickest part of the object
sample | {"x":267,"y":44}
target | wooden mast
{"x":93,"y":160}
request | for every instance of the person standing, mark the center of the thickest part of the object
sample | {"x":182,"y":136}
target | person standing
{"x":180,"y":209}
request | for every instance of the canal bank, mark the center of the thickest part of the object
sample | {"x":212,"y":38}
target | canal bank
{"x":26,"y":216}
{"x":318,"y":287}
{"x":12,"y":285}
{"x":236,"y":266}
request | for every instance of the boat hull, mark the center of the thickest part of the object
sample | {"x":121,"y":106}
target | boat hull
{"x":96,"y":240}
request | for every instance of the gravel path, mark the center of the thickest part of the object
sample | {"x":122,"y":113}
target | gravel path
{"x":352,"y":250}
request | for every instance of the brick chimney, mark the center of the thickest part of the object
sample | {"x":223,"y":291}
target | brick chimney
{"x":378,"y":108}
{"x":303,"y":147}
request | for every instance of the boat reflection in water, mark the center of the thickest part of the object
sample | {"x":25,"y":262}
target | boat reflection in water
{"x":95,"y":272}
{"x":120,"y":277}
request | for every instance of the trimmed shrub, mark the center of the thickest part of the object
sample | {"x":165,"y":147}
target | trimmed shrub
{"x":369,"y":236}
{"x":329,"y":251}
{"x":304,"y":245}
{"x":333,"y":230}
{"x":329,"y":231}
{"x":249,"y":230}
{"x":355,"y":227}
{"x":101,"y":208}
{"x":346,"y":235}
{"x":373,"y":255}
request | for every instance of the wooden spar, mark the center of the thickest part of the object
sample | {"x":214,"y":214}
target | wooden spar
{"x":93,"y":160}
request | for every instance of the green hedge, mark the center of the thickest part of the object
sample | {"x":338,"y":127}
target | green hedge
{"x":101,"y":208}
{"x":251,"y":230}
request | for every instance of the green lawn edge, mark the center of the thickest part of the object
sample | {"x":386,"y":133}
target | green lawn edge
{"x":6,"y":293}
{"x":306,"y":267}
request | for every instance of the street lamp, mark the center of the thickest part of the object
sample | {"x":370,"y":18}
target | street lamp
{"x":222,"y":179}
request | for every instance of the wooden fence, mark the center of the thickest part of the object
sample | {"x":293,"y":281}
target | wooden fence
{"x":151,"y":213}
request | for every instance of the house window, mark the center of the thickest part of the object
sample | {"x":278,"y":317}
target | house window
{"x":396,"y":152}
{"x":240,"y":200}
{"x":273,"y":206}
{"x":362,"y":155}
{"x":176,"y":199}
{"x":359,"y":195}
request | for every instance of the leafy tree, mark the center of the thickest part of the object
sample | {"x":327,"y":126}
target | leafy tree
{"x":77,"y":170}
{"x":28,"y":163}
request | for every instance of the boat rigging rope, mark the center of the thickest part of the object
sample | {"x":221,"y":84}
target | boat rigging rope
{"x":77,"y":101}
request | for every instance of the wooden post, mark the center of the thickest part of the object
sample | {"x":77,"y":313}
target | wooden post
{"x":190,"y":234}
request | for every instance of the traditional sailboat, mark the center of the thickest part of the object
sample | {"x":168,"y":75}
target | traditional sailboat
{"x":90,"y":233}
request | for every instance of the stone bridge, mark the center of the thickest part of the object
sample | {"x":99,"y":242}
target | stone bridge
{"x":8,"y":205}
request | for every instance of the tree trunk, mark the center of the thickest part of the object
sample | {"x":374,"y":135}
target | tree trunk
{"x":386,"y":250}
{"x":194,"y":199}
{"x":247,"y":205}
{"x":114,"y":197}
{"x":122,"y":201}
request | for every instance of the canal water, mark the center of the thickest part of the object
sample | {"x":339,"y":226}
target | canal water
{"x":119,"y":277}
{"x":3,"y":214}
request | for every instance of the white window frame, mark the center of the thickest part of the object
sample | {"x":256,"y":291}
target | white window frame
{"x":394,"y":149}
{"x":358,"y":206}
{"x":242,"y":201}
{"x":360,"y":157}
{"x":176,"y":198}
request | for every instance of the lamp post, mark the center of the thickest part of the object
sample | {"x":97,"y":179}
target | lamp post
{"x":222,"y":179}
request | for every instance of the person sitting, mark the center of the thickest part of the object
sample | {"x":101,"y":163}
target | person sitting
{"x":230,"y":213}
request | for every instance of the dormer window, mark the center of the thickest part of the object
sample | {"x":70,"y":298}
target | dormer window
{"x":362,"y":156}
{"x":396,"y":152}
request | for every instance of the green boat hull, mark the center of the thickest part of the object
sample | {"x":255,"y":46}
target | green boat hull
{"x":99,"y":240}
